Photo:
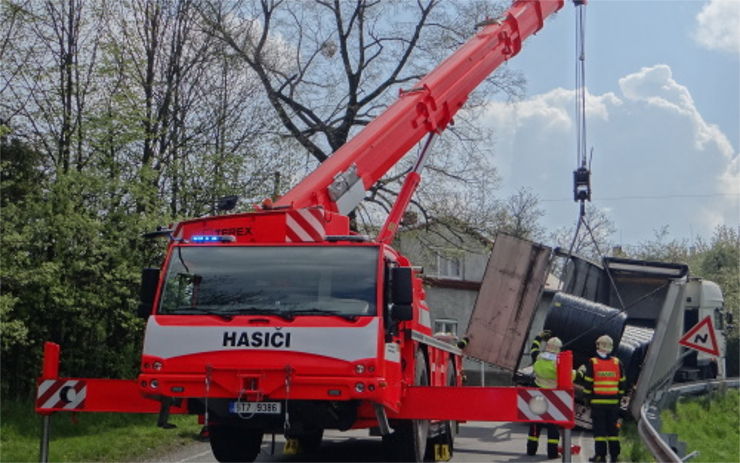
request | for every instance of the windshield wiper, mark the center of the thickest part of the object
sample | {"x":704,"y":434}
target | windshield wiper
{"x":202,"y":311}
{"x":229,"y":313}
{"x":285,"y":315}
{"x":315,"y":311}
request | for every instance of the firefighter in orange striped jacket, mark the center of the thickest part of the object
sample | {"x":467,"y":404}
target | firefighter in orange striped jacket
{"x":604,"y":383}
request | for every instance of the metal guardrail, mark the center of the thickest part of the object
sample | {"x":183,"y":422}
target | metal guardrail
{"x":666,"y":448}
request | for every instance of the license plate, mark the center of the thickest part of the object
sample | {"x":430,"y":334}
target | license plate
{"x":269,"y":408}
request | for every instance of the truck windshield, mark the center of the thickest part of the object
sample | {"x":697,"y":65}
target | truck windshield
{"x":287,"y":281}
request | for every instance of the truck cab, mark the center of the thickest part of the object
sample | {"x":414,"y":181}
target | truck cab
{"x":264,"y":335}
{"x":703,"y":298}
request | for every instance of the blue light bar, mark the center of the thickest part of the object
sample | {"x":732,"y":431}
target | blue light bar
{"x":212,"y":239}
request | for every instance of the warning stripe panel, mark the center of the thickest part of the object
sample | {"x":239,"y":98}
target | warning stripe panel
{"x":96,"y":395}
{"x":474,"y":403}
{"x":553,"y":411}
{"x":67,"y":394}
{"x":46,"y":390}
{"x":559,"y":405}
{"x":305,"y":225}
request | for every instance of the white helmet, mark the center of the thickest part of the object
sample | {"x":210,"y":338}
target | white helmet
{"x":605,"y":343}
{"x":553,"y":345}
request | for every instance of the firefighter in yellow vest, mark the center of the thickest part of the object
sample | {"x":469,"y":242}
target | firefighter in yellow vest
{"x":538,"y":343}
{"x":604,"y":383}
{"x":545,"y":376}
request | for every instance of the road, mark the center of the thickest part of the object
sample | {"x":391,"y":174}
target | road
{"x":476,"y":442}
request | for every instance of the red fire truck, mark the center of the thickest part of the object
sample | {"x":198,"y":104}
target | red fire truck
{"x":283,"y":320}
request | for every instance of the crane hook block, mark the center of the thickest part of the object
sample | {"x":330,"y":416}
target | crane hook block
{"x":582,"y":184}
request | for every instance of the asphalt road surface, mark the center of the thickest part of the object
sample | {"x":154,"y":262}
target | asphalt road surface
{"x":476,"y":442}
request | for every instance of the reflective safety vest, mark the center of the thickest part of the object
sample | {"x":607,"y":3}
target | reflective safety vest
{"x":545,"y":371}
{"x":604,"y":381}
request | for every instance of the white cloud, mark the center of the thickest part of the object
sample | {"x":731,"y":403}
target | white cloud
{"x":718,"y":26}
{"x":655,"y":86}
{"x":649,"y":141}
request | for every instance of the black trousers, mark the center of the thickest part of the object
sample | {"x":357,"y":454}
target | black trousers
{"x":606,"y":432}
{"x":553,"y":438}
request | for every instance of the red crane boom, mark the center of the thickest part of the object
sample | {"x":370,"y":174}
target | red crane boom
{"x":427,"y":108}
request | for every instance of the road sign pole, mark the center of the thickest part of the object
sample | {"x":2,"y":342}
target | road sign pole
{"x":566,"y":445}
{"x":45,"y":433}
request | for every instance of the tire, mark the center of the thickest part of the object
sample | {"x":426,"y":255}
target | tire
{"x":310,"y":441}
{"x":409,"y":440}
{"x":235,"y":443}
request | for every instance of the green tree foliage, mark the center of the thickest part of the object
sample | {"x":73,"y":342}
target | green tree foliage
{"x":70,"y":272}
{"x":115,"y":117}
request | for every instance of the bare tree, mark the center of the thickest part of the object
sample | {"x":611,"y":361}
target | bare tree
{"x":12,"y":16}
{"x":519,"y":215}
{"x":329,"y":67}
{"x":53,"y":77}
{"x":153,"y":46}
{"x":201,"y":127}
{"x":593,"y":238}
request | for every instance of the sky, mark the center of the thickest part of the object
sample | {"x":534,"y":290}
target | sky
{"x":663,"y":117}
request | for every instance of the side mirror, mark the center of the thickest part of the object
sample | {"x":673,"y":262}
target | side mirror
{"x":149,"y":282}
{"x":402,"y":286}
{"x":402,"y":313}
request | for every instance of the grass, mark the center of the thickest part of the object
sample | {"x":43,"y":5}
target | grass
{"x":709,"y":424}
{"x":632,"y":447}
{"x":89,"y":437}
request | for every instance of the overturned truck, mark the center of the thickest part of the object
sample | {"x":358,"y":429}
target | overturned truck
{"x":646,"y":307}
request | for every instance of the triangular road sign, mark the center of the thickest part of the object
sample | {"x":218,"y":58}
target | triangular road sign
{"x":701,"y":337}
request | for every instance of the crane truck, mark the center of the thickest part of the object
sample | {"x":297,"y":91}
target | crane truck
{"x":284,"y":320}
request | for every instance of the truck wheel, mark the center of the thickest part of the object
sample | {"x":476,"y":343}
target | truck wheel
{"x":235,"y":443}
{"x":409,"y":440}
{"x":709,"y":371}
{"x":310,"y":441}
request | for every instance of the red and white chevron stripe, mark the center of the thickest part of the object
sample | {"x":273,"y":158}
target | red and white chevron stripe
{"x":559,"y":405}
{"x":305,"y":225}
{"x":67,"y":394}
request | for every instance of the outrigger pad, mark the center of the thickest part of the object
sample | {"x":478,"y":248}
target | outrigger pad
{"x":292,"y":447}
{"x":442,"y":452}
